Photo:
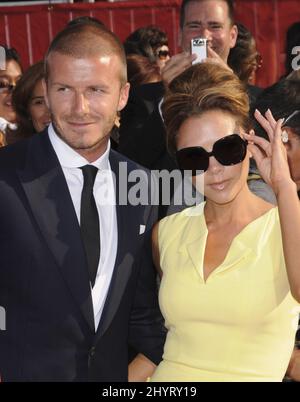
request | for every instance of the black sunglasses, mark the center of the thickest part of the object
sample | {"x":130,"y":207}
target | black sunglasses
{"x":293,"y":120}
{"x":229,"y":150}
{"x":6,"y":87}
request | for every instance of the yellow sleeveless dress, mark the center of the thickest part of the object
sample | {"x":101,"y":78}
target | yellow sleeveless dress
{"x":240,"y":324}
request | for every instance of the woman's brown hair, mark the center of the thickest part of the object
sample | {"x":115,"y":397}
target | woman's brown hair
{"x":141,"y":70}
{"x":21,"y":98}
{"x":201,"y":88}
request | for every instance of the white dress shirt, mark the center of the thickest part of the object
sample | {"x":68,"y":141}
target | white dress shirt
{"x":104,"y":193}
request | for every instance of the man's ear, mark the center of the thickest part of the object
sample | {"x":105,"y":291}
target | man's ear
{"x":124,"y":94}
{"x":233,"y":35}
{"x":45,"y":90}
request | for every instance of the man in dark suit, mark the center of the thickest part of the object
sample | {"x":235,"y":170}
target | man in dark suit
{"x":76,"y":277}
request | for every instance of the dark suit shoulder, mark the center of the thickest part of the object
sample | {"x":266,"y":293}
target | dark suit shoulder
{"x":35,"y":151}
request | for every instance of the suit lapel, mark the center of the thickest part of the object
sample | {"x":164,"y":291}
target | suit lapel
{"x":124,"y":259}
{"x":46,"y":189}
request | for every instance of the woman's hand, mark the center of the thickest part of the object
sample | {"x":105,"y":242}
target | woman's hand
{"x":270,"y":156}
{"x":271,"y":159}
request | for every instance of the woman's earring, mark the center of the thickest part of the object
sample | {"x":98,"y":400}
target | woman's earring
{"x":284,"y":136}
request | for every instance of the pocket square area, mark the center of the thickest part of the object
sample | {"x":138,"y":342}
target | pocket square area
{"x":142,"y":229}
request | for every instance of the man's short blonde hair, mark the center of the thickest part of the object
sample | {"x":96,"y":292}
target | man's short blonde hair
{"x":87,"y":40}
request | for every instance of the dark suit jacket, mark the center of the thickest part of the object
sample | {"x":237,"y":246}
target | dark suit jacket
{"x":44,"y":285}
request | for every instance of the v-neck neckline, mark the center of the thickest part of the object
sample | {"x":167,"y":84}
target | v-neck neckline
{"x":232,"y":257}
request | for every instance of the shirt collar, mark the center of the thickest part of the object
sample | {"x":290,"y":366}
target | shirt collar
{"x":68,"y":158}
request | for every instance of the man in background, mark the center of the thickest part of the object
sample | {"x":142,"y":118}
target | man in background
{"x":143,"y":140}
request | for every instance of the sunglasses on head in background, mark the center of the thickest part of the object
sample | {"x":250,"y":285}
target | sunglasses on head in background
{"x":163,"y":54}
{"x":229,"y":150}
{"x":6,"y":87}
{"x":292,"y":120}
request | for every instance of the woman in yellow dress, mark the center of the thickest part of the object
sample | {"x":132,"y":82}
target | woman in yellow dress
{"x":230,"y":287}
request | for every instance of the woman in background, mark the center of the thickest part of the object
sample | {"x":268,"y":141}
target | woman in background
{"x":150,"y":42}
{"x":244,"y":59}
{"x":29,"y":103}
{"x":9,"y":77}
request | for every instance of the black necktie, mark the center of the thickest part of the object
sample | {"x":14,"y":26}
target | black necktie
{"x":89,"y":221}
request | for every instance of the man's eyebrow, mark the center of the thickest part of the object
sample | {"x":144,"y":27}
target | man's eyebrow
{"x":193,"y":22}
{"x":215,"y":22}
{"x":95,"y":85}
{"x":102,"y":85}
